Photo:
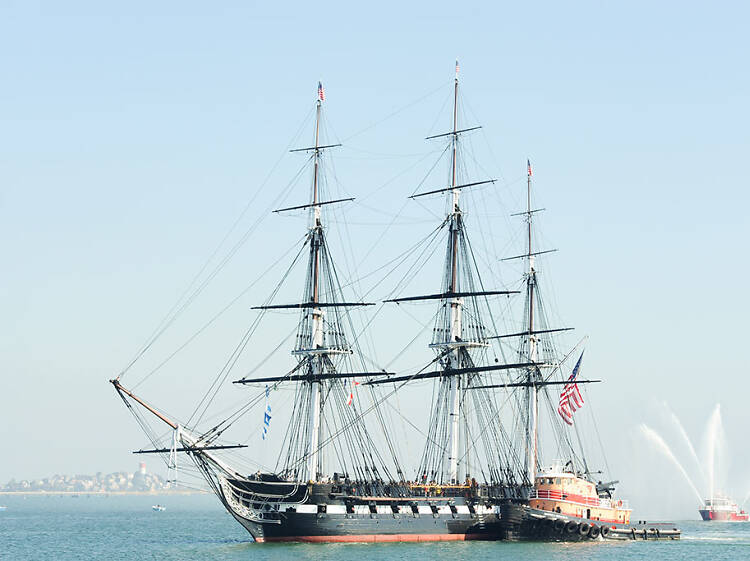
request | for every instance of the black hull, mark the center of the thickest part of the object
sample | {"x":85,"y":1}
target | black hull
{"x":328,"y":512}
{"x":324,"y":527}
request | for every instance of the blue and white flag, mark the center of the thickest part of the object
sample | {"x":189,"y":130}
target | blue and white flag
{"x":266,"y":415}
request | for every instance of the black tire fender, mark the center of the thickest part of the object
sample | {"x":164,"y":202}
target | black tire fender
{"x":571,"y":527}
{"x":583,"y":528}
{"x":604,"y":531}
{"x":595,"y":531}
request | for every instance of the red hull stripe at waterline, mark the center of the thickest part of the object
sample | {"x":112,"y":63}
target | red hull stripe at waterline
{"x":377,"y":538}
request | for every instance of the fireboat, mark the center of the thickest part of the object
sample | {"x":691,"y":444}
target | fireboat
{"x":723,"y":509}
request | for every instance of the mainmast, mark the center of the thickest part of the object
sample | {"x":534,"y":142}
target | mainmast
{"x":456,"y":305}
{"x":460,"y":340}
{"x":313,"y":460}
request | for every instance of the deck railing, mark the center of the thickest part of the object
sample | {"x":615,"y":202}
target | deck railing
{"x":578,"y":499}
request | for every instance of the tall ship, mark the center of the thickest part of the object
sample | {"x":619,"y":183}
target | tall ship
{"x":723,"y":509}
{"x":339,"y":476}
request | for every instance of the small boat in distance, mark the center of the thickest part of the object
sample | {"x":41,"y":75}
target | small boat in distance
{"x":723,"y":509}
{"x":158,"y":508}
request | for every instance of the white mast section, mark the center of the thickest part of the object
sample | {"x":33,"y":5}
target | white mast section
{"x":313,"y":459}
{"x":456,"y":311}
{"x":533,"y":411}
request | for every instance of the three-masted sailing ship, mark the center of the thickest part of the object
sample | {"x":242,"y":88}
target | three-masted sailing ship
{"x":480,"y":472}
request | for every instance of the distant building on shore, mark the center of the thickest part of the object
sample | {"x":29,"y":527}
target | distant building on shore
{"x":110,"y":483}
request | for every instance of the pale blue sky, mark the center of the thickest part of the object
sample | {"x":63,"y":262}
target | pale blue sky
{"x":132,"y":138}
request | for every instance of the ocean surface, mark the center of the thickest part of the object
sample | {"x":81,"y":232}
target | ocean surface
{"x":195,"y":527}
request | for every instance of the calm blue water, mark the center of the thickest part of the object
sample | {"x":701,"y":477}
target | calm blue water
{"x":197,"y":528}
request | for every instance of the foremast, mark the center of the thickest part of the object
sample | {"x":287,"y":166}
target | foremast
{"x":322,"y":417}
{"x":312,"y":346}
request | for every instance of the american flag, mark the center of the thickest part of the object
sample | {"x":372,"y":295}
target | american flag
{"x":570,"y":398}
{"x":321,"y":92}
{"x":457,"y":67}
{"x":528,"y":167}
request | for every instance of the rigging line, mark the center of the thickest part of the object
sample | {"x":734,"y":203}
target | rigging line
{"x":376,"y":243}
{"x":580,"y":445}
{"x":388,"y":227}
{"x":242,"y":411}
{"x":359,"y":416}
{"x":468,"y":246}
{"x":348,"y":316}
{"x":465,"y":103}
{"x":213,"y":274}
{"x":235,"y":356}
{"x":155,"y":440}
{"x":420,"y":261}
{"x":277,"y":406}
{"x":158,"y":331}
{"x":272,"y":353}
{"x":348,"y":258}
{"x":566,"y":357}
{"x":394,"y":113}
{"x":599,"y":438}
{"x":220,"y":313}
{"x":439,"y":115}
{"x":401,"y":258}
{"x":393,"y":179}
{"x":412,"y":425}
{"x":438,"y":160}
{"x":377,"y":155}
{"x":491,"y":418}
{"x":429,"y":171}
{"x":425,"y":327}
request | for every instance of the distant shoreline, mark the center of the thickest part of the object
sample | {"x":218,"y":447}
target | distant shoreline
{"x":104,"y":493}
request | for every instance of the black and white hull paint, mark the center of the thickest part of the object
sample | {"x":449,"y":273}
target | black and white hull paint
{"x":318,"y":518}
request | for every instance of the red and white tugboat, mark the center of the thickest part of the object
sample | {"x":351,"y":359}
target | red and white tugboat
{"x":560,"y":490}
{"x":723,"y":509}
{"x":566,"y":501}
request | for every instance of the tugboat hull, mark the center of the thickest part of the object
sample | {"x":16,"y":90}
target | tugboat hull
{"x":523,"y":523}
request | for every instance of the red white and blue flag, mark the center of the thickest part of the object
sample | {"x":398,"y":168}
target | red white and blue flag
{"x":457,"y":67}
{"x":528,"y":168}
{"x":570,"y":398}
{"x":351,"y":393}
{"x":321,"y":92}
